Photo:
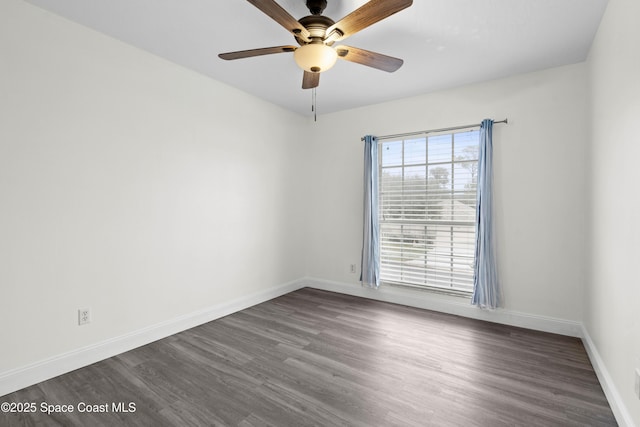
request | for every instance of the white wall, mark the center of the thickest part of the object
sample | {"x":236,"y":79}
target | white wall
{"x":612,"y":297}
{"x":146,"y":192}
{"x":131,"y":186}
{"x":540,"y":182}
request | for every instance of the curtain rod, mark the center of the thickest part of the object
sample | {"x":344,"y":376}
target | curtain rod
{"x":398,"y":135}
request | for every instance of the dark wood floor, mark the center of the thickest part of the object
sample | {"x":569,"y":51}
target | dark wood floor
{"x":318,"y":358}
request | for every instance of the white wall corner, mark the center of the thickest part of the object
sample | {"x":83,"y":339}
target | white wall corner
{"x":623,"y":417}
{"x":43,"y":370}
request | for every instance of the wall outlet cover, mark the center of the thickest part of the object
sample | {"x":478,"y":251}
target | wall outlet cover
{"x":84,"y":316}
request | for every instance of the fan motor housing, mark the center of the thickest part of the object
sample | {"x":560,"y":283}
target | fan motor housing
{"x":316,"y":25}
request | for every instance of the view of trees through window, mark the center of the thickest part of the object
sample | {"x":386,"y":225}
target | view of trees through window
{"x":427,"y":208}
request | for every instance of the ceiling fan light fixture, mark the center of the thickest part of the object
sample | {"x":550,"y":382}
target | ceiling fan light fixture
{"x":315,"y":57}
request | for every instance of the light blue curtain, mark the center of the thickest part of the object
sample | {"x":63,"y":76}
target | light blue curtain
{"x":370,"y":268}
{"x":486,"y":290}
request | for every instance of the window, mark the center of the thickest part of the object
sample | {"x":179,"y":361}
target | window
{"x":427,"y":208}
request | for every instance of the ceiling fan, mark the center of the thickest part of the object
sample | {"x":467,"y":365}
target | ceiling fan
{"x":316,"y":35}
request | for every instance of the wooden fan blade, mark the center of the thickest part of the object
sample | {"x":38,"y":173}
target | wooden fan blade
{"x":368,"y":58}
{"x":366,"y":15}
{"x":310,"y":80}
{"x":256,"y":52}
{"x":282,"y":17}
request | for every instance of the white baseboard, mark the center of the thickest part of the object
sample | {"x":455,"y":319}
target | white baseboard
{"x":623,"y":417}
{"x":451,"y":305}
{"x":17,"y":379}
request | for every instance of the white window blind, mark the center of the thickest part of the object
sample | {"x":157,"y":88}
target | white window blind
{"x":427,"y":208}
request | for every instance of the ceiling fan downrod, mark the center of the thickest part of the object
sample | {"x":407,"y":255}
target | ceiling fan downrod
{"x":316,"y":7}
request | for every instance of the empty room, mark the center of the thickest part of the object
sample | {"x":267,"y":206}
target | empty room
{"x":290,"y":213}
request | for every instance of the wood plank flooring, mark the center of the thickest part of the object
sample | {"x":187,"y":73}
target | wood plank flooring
{"x":315,"y":358}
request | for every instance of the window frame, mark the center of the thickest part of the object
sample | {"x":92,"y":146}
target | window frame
{"x":464,"y":291}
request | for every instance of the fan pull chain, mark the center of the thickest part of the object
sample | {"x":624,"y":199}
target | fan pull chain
{"x":313,"y":104}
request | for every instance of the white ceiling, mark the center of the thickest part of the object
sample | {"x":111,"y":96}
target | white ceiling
{"x":444,"y":43}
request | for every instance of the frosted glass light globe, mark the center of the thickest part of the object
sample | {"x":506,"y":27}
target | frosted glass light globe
{"x":315,"y":57}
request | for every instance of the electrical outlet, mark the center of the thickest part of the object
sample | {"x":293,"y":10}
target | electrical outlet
{"x":637,"y":387}
{"x":84,"y":316}
{"x":352,"y":269}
